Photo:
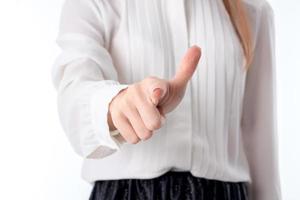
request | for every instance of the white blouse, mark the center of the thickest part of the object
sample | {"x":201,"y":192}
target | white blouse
{"x":225,"y":127}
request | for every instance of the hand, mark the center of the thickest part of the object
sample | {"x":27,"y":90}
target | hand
{"x":140,"y":109}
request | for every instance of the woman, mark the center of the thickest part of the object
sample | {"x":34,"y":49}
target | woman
{"x":156,"y":117}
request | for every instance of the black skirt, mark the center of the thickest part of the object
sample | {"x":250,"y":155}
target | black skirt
{"x":171,"y":185}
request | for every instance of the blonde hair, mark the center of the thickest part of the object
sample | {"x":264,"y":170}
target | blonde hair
{"x":240,"y":22}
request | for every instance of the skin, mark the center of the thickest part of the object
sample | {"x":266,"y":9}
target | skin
{"x":141,"y":108}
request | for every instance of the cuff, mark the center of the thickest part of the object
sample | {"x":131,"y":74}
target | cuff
{"x":99,"y":102}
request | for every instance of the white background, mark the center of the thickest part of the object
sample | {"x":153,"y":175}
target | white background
{"x":36,"y":160}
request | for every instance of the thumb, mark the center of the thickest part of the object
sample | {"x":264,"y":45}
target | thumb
{"x":187,"y":66}
{"x":157,"y":89}
{"x":156,"y":95}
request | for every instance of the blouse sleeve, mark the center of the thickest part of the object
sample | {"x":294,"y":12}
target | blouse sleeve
{"x":259,"y":118}
{"x":85,"y":79}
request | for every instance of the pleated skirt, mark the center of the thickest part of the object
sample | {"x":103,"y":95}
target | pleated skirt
{"x":177,"y":185}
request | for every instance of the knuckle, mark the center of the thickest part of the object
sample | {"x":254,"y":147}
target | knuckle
{"x":137,"y":96}
{"x":126,"y":103}
{"x":149,"y":79}
{"x":154,"y":124}
{"x":146,"y":135}
{"x":133,"y":88}
{"x":134,"y":140}
{"x":131,"y":138}
{"x":135,"y":93}
{"x":116,"y":115}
